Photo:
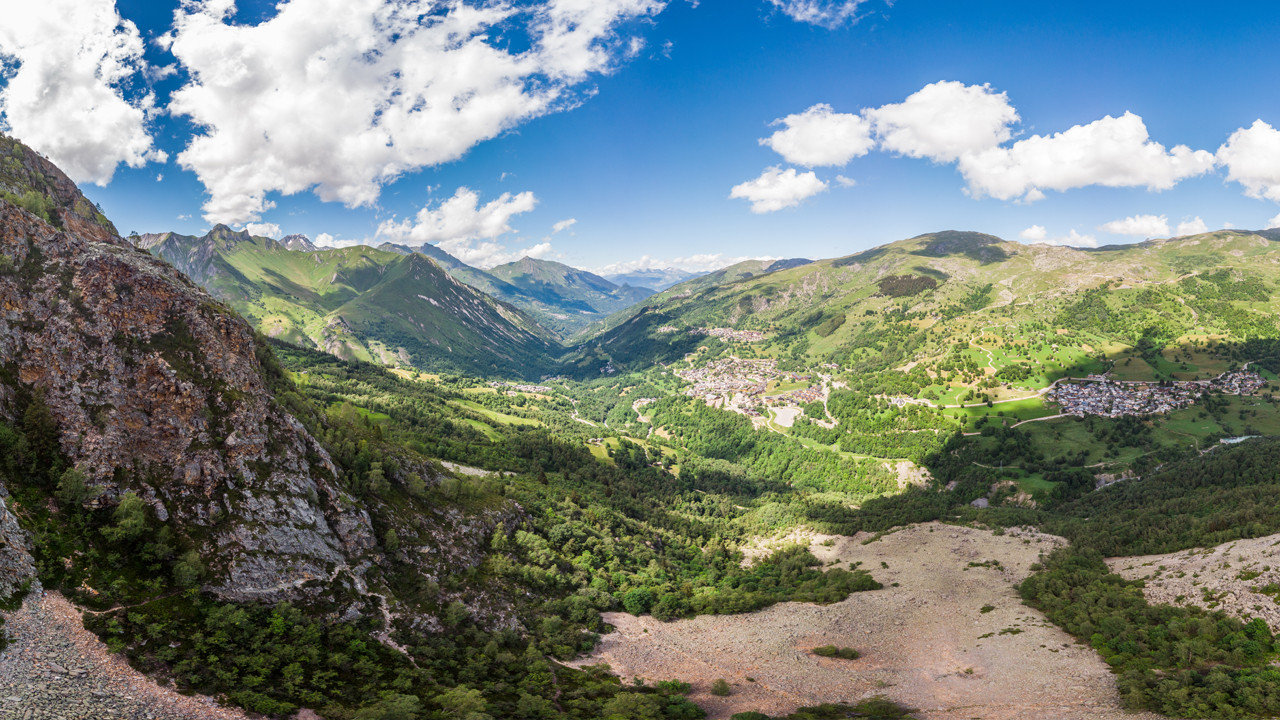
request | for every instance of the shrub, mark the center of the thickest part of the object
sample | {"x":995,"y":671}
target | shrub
{"x":844,"y":653}
{"x":637,"y":601}
{"x":720,"y":688}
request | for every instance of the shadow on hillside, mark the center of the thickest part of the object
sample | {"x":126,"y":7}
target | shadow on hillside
{"x":976,"y":246}
{"x":637,"y":340}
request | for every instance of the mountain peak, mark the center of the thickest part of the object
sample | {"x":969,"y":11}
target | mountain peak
{"x":226,"y":237}
{"x":396,"y":248}
{"x":298,"y":243}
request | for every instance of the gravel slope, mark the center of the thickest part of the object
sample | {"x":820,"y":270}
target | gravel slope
{"x":922,"y":642}
{"x":54,"y":669}
{"x":1227,"y":577}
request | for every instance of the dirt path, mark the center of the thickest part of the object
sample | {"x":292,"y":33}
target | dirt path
{"x":925,"y":643}
{"x":575,"y":416}
{"x":55,"y":669}
{"x":1047,"y":417}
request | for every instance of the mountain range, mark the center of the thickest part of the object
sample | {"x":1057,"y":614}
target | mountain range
{"x":424,"y":308}
{"x":359,"y":302}
{"x":656,"y":279}
{"x":913,"y":302}
{"x":394,"y":304}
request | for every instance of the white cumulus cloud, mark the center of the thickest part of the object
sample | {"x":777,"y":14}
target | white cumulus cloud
{"x":464,"y":228}
{"x":944,"y":121}
{"x":819,"y":136}
{"x":1112,"y":152}
{"x":777,"y":189}
{"x":1252,"y":158}
{"x":823,"y":13}
{"x":384,"y":87}
{"x":973,"y":126}
{"x":564,"y":225}
{"x":1194,"y":226}
{"x":270,"y":230}
{"x":69,"y":88}
{"x":705,"y":262}
{"x":1139,"y":226}
{"x":1035,"y":233}
{"x":1273,"y":223}
{"x":1073,"y":239}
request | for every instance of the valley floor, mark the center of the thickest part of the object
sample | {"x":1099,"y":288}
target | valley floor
{"x":56,"y":669}
{"x":925,"y":643}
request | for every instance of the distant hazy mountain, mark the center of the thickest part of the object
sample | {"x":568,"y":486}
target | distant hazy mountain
{"x":301,"y":243}
{"x":562,"y":299}
{"x":360,"y":302}
{"x":655,"y":279}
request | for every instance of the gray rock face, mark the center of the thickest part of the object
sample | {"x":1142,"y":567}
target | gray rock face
{"x":298,"y":243}
{"x":157,"y":389}
{"x":17,"y":569}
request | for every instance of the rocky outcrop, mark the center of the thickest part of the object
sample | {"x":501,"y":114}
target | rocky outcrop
{"x":17,"y":569}
{"x":298,"y":243}
{"x":157,"y":389}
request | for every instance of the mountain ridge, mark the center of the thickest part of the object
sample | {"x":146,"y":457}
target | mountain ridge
{"x":330,"y":299}
{"x":558,"y":304}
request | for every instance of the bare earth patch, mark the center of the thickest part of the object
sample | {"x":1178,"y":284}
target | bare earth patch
{"x":925,"y":643}
{"x":1227,"y":577}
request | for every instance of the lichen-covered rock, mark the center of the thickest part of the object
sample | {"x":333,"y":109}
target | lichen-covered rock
{"x":157,"y":388}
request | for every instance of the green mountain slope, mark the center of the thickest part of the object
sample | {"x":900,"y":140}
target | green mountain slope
{"x":360,"y":303}
{"x":559,"y":300}
{"x":565,"y":298}
{"x":945,"y":304}
{"x":562,"y":299}
{"x":739,"y":271}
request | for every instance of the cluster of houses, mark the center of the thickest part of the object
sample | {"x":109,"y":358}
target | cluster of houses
{"x":740,"y":385}
{"x":1099,"y":395}
{"x":519,"y":388}
{"x":729,"y":334}
{"x":801,"y":396}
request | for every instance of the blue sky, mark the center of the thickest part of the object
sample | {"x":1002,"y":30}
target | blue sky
{"x":637,"y":119}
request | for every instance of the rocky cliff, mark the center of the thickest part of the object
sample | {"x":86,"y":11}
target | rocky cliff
{"x":16,"y":565}
{"x":158,"y":389}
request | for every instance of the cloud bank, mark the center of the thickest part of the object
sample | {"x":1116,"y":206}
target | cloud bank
{"x":70,"y":67}
{"x":385,"y":88}
{"x":973,"y":128}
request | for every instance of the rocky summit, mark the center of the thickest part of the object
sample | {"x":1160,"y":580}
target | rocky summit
{"x":158,"y":389}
